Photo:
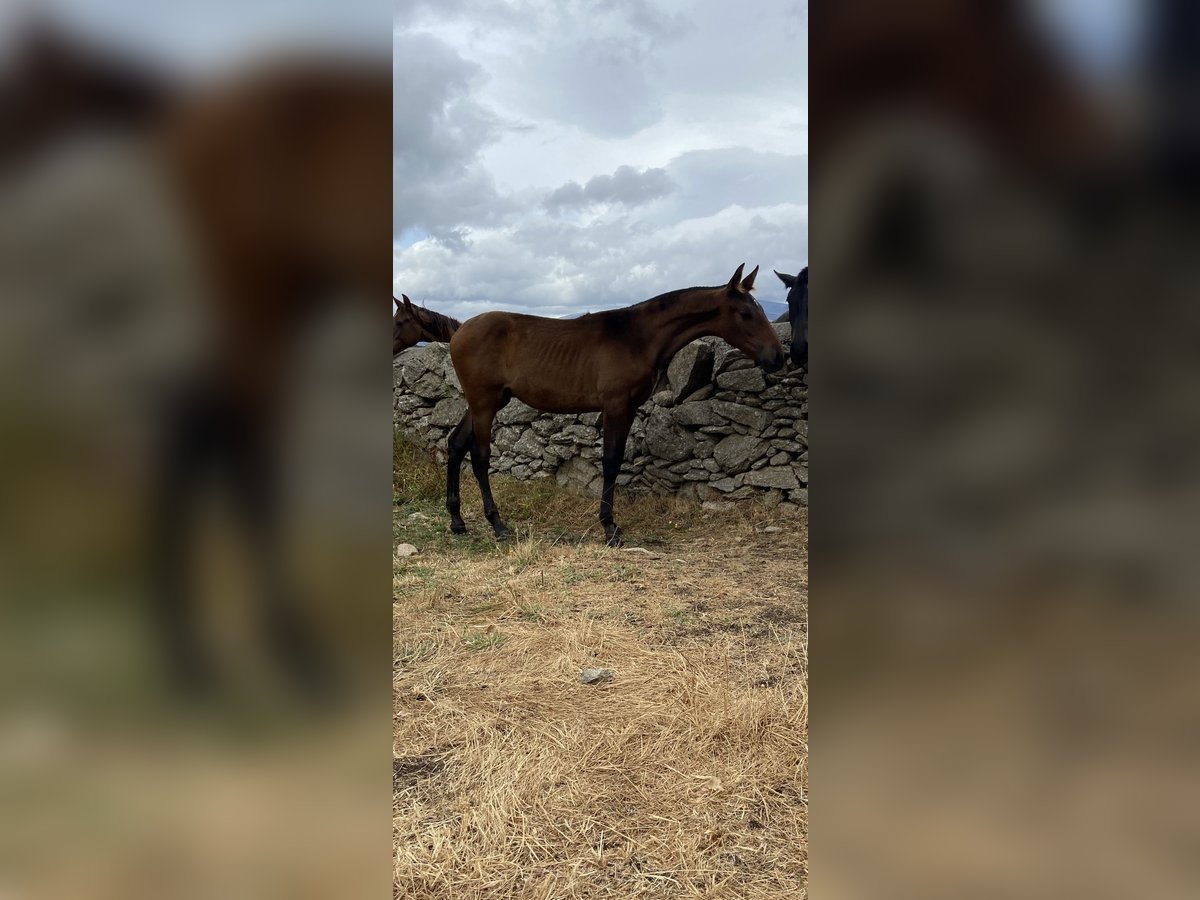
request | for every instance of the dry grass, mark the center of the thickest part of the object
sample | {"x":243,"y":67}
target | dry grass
{"x":686,"y":775}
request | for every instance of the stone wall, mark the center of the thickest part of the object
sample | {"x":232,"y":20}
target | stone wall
{"x":718,"y":429}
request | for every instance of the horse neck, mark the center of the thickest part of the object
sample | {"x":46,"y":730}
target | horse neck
{"x":439,"y":327}
{"x":680,"y":322}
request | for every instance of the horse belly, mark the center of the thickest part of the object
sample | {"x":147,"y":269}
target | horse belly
{"x":555,"y":398}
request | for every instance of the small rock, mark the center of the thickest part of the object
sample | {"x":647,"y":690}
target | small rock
{"x":782,"y":477}
{"x":649,"y":554}
{"x":717,"y":505}
{"x":448,"y":412}
{"x":769,"y":529}
{"x":752,"y":418}
{"x":749,"y":379}
{"x":690,"y":369}
{"x":418,"y":517}
{"x":405,"y":550}
{"x":516,"y":413}
{"x":737,"y":453}
{"x":594,"y":676}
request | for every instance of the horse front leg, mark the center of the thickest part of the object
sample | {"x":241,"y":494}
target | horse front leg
{"x":456,"y":450}
{"x":287,"y":631}
{"x":616,"y":431}
{"x":192,"y":438}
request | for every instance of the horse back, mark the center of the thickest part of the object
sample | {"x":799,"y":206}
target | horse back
{"x":560,"y":365}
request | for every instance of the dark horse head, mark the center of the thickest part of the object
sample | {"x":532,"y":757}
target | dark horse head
{"x":797,"y":300}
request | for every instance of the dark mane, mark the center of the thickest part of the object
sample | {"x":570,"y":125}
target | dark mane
{"x":664,"y":300}
{"x":672,"y":295}
{"x":437,"y":323}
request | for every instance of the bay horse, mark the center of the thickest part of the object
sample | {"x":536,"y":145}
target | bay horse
{"x":413,"y":324}
{"x":276,"y":171}
{"x":603,"y":362}
{"x":797,"y":314}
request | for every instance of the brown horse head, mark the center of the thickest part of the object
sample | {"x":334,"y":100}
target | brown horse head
{"x":406,"y":327}
{"x":413,"y":324}
{"x":743,"y":324}
{"x":54,"y":89}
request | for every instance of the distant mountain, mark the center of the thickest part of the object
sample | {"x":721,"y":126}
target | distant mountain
{"x":772,"y":309}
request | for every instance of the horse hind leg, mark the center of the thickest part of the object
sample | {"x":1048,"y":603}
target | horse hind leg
{"x":617,"y":423}
{"x":459,"y":442}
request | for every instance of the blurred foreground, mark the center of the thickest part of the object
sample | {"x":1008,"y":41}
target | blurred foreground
{"x":194,"y":388}
{"x":1006,"y":446}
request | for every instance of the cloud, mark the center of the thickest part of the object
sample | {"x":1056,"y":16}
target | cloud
{"x":580,"y":155}
{"x":626,"y":185}
{"x":711,"y":180}
{"x":438,"y":130}
{"x":554,"y":268}
{"x":587,"y":64}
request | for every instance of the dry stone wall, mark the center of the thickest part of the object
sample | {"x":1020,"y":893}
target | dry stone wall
{"x":719,"y":428}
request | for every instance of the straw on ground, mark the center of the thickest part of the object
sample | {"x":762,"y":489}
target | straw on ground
{"x":683,"y":775}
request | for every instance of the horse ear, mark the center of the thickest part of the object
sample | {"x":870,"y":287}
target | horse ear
{"x":748,"y":284}
{"x":736,"y":280}
{"x":407,"y":302}
{"x":788,"y":280}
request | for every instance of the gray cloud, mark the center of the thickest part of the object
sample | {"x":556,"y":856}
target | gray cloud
{"x":438,"y":131}
{"x":591,"y":64}
{"x":653,"y":152}
{"x":598,"y":83}
{"x":549,"y":267}
{"x":626,"y":185}
{"x":710,"y":180}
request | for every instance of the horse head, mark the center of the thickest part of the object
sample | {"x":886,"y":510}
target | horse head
{"x":797,"y":301}
{"x":54,"y":89}
{"x":744,"y":325}
{"x":407,"y":328}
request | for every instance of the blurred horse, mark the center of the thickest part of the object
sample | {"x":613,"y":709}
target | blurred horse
{"x":280,"y":174}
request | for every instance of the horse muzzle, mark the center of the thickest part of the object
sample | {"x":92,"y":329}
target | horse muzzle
{"x":771,"y":361}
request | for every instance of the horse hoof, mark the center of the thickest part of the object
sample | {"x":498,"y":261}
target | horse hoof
{"x":503,"y":534}
{"x":458,"y":527}
{"x":614,"y":539}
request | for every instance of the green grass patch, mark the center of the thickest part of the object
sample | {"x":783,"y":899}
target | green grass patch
{"x":484,"y":641}
{"x":531,"y":612}
{"x":572,"y":575}
{"x":679,"y":616}
{"x":623,"y":573}
{"x":409,"y":654}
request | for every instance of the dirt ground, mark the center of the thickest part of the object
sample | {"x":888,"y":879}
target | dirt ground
{"x":684,"y":774}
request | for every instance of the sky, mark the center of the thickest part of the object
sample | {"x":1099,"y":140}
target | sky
{"x":561,"y":156}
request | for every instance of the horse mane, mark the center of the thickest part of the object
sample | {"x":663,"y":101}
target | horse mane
{"x":440,"y":327}
{"x":663,"y":300}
